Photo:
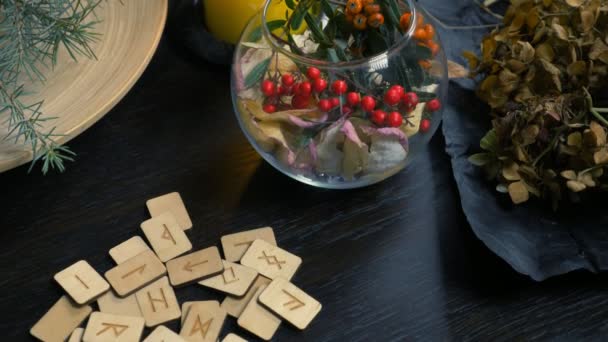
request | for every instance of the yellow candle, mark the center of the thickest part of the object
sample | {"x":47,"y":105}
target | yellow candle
{"x":226,"y":19}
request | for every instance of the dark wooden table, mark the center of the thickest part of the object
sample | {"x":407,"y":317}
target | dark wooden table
{"x":391,"y":262}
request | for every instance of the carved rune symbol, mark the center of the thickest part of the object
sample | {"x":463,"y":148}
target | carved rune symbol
{"x":118,"y":329}
{"x":81,"y":281}
{"x":167,"y":234}
{"x":245,"y":243}
{"x":231,"y":278}
{"x":271,"y":260}
{"x":294,"y":302}
{"x":202,"y":327}
{"x":163,"y":300}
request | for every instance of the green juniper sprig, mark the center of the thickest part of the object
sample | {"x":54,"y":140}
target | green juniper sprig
{"x":31,"y":34}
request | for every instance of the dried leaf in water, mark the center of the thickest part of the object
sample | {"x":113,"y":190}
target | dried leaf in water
{"x":518,"y":192}
{"x":329,"y":157}
{"x":356,"y":153}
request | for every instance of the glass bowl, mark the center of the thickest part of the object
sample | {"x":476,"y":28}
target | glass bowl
{"x":345,"y":107}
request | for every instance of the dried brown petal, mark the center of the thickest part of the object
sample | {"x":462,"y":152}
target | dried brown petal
{"x":568,"y":174}
{"x":518,"y":192}
{"x":575,"y":3}
{"x":599,"y":131}
{"x":601,"y":156}
{"x":598,"y":49}
{"x":588,"y":19}
{"x":508,"y":80}
{"x":532,"y":19}
{"x":524,"y":52}
{"x":510,"y":172}
{"x":529,"y":134}
{"x":560,"y":31}
{"x":577,"y":68}
{"x":575,"y":186}
{"x":587,"y":179}
{"x":545,"y":51}
{"x":472,"y":59}
{"x":590,"y":138}
{"x":575,"y":139}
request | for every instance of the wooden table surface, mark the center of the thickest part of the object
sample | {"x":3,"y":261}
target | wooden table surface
{"x":391,"y":262}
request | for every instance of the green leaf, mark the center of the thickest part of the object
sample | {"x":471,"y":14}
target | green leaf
{"x":272,"y":25}
{"x":316,"y":31}
{"x":290,"y":4}
{"x":424,"y":96}
{"x":390,"y":14}
{"x":330,"y":30}
{"x":256,"y":73}
{"x":327,"y":9}
{"x":490,"y":141}
{"x":298,"y":15}
{"x":481,"y":159}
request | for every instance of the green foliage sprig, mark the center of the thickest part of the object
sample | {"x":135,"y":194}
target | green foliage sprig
{"x":31,"y":34}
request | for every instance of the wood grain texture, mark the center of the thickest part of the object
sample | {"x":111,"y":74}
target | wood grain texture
{"x":412,"y":271}
{"x":80,"y":92}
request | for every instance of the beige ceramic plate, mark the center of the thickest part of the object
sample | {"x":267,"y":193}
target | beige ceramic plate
{"x":80,"y":93}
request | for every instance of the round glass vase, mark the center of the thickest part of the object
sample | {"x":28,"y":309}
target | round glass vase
{"x":345,"y":107}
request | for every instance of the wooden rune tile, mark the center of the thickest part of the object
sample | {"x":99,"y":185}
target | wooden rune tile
{"x":112,"y":304}
{"x":187,"y":305}
{"x":135,"y":273}
{"x":291,"y":303}
{"x":203,"y":323}
{"x":128,"y":249}
{"x":233,"y":338}
{"x":163,"y":334}
{"x":103,"y":327}
{"x":234,"y":280}
{"x":195,"y":266}
{"x":234,"y":306}
{"x":158,"y":303}
{"x":76,"y":335}
{"x":235,"y":245}
{"x":173,"y":203}
{"x":82,"y":282}
{"x":258,"y":320}
{"x":271,"y":261}
{"x":61,"y":319}
{"x":166,"y":237}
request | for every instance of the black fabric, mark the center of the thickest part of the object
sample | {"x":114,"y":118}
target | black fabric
{"x":532,"y":238}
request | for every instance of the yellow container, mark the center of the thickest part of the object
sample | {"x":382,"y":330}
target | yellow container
{"x":226,"y":19}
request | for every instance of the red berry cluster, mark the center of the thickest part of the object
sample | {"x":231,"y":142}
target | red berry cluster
{"x":396,"y":98}
{"x":301,"y":91}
